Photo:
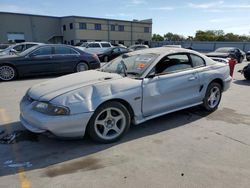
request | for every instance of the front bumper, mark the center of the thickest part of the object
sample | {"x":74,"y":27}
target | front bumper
{"x":227,"y":83}
{"x":62,"y":126}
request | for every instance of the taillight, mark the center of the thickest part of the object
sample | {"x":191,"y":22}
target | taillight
{"x":95,"y":57}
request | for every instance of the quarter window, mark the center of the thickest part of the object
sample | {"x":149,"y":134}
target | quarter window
{"x":197,"y":61}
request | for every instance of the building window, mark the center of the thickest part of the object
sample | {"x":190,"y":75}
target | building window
{"x":121,"y":28}
{"x":71,"y":25}
{"x":98,"y":27}
{"x":82,"y":26}
{"x":72,"y":42}
{"x":64,"y":27}
{"x":112,"y":27}
{"x":146,"y":29}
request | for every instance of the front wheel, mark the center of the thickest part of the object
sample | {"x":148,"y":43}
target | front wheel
{"x":212,"y":97}
{"x":109,"y":122}
{"x":81,"y":67}
{"x":7,"y":73}
{"x":106,"y":58}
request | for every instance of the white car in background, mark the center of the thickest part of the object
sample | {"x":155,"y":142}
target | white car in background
{"x":95,"y":47}
{"x":18,"y":48}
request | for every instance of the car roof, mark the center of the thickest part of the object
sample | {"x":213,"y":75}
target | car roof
{"x":163,"y":51}
{"x":28,"y":43}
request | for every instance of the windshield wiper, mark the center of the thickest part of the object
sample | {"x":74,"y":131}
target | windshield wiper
{"x":133,"y":73}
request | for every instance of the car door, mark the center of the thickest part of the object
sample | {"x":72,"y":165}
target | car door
{"x":65,"y":59}
{"x":174,"y":86}
{"x":39,"y":61}
{"x":115,"y":53}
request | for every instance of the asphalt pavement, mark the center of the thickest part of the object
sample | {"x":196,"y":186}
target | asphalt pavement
{"x":189,"y":148}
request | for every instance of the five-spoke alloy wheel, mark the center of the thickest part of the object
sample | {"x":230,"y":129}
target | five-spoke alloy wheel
{"x":212,"y":97}
{"x":109,"y":122}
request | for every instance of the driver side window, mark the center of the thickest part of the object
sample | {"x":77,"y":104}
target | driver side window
{"x":42,"y":51}
{"x":173,"y":63}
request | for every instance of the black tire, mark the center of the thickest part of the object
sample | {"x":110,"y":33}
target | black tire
{"x":106,"y":59}
{"x":82,"y":66}
{"x":247,"y":75}
{"x":206,"y":101}
{"x":93,"y":130}
{"x":10,"y":70}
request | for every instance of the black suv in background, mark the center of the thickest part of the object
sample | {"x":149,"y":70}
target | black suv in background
{"x":226,"y":52}
{"x":248,"y":56}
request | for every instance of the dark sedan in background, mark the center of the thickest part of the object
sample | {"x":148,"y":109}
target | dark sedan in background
{"x":112,"y":53}
{"x":46,"y":59}
{"x":228,"y":52}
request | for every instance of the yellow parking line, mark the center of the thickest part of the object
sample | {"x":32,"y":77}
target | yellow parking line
{"x":25,"y":183}
{"x":5,"y":119}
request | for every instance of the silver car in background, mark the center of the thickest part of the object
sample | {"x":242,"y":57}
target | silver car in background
{"x":134,"y":87}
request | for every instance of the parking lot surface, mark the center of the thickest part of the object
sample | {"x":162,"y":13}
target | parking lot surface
{"x":189,"y":148}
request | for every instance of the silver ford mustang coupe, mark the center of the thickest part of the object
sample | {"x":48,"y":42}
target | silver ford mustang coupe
{"x":132,"y":88}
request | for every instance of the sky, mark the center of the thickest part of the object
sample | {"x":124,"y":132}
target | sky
{"x":184,"y":17}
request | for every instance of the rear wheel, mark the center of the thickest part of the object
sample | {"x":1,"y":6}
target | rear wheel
{"x":7,"y":73}
{"x":247,"y":75}
{"x":109,"y":122}
{"x":212,"y":97}
{"x":82,"y":67}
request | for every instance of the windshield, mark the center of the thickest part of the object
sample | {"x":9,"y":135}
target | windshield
{"x":224,"y":50}
{"x":130,"y":65}
{"x":85,"y":44}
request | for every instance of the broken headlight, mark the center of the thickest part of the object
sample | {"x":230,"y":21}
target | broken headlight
{"x":50,"y":109}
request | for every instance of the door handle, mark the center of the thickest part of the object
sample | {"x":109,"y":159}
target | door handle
{"x":192,"y":78}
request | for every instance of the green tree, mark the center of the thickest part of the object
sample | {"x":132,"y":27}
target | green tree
{"x":173,"y":37}
{"x":157,"y":37}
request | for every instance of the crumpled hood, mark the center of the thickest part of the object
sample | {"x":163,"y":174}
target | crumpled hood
{"x":217,"y":54}
{"x":50,"y":89}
